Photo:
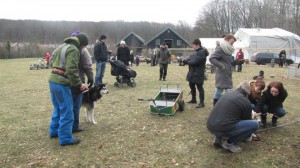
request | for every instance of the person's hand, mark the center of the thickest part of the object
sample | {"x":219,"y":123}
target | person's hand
{"x":83,"y":87}
{"x":90,"y":82}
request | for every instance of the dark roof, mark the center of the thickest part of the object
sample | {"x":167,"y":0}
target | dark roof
{"x":132,"y":33}
{"x":164,"y":32}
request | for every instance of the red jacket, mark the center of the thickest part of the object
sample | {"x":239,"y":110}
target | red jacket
{"x":240,"y":55}
{"x":47,"y":57}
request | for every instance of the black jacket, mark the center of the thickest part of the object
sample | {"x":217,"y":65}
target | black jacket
{"x":271,"y":101}
{"x":163,"y":56}
{"x":100,"y":52}
{"x":123,"y":54}
{"x":196,"y":64}
{"x":231,"y":108}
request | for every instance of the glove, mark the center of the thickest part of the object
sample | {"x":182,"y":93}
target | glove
{"x":90,"y":82}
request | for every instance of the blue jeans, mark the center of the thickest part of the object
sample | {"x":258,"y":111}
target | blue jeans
{"x":219,"y":92}
{"x":77,"y":100}
{"x":100,"y":69}
{"x":278,"y":112}
{"x":240,"y":132}
{"x":62,"y":116}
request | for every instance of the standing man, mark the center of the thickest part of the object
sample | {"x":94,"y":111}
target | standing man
{"x":85,"y":68}
{"x":231,"y":118}
{"x":123,"y":53}
{"x":63,"y":79}
{"x":163,"y":58}
{"x":195,"y":75}
{"x":101,"y":56}
{"x":240,"y":60}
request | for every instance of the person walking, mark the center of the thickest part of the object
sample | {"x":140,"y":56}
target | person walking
{"x":123,"y":53}
{"x":231,"y":119}
{"x":240,"y":60}
{"x":221,"y":59}
{"x":195,"y":75}
{"x":101,"y":56}
{"x":163,"y":58}
{"x":64,"y":78}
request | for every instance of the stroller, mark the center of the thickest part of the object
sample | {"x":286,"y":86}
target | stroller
{"x":123,"y":74}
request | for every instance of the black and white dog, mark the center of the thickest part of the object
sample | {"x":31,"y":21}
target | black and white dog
{"x":90,"y":97}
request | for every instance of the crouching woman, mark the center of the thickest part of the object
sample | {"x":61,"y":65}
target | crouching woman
{"x":272,"y":102}
{"x":231,"y":118}
{"x":256,"y":88}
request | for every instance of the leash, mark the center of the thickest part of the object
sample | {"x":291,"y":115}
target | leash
{"x":279,"y":126}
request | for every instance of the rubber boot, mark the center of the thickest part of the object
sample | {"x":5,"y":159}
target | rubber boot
{"x":263,"y":121}
{"x":274,"y":121}
{"x":215,"y":101}
{"x":193,"y":101}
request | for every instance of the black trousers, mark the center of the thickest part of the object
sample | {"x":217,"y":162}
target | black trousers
{"x":200,"y":89}
{"x":163,"y":70}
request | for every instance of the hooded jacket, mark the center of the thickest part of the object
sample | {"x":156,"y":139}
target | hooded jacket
{"x":196,"y":64}
{"x":163,"y":56}
{"x":230,"y":109}
{"x":66,"y":58}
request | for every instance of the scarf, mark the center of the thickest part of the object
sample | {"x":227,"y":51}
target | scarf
{"x":226,"y":47}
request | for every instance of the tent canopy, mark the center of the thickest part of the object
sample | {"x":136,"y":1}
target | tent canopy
{"x":269,"y":40}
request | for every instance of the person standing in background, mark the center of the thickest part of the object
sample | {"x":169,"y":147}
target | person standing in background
{"x":101,"y":56}
{"x":123,"y":53}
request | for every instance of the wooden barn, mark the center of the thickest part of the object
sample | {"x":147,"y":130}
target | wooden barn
{"x":170,"y":37}
{"x":134,"y":42}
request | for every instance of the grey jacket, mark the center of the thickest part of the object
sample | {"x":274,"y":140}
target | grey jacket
{"x":85,"y":65}
{"x":229,"y":110}
{"x":163,"y":56}
{"x":222,"y":61}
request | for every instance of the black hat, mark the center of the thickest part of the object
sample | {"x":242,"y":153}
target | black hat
{"x":83,"y":39}
{"x":102,"y":37}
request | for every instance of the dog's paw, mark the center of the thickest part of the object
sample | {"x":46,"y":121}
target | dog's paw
{"x":94,"y":122}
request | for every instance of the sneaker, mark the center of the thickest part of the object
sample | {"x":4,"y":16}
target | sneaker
{"x":231,"y":147}
{"x":200,"y":105}
{"x":217,"y":142}
{"x":78,"y":129}
{"x":75,"y":142}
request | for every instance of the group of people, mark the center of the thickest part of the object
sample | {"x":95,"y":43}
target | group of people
{"x":230,"y":120}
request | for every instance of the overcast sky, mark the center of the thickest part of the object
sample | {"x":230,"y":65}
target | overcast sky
{"x":162,"y":11}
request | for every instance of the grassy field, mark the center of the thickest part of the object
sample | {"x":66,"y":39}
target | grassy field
{"x":127,"y":135}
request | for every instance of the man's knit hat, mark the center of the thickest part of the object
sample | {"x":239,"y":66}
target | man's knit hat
{"x":83,"y":39}
{"x":245,"y":86}
{"x":102,"y":37}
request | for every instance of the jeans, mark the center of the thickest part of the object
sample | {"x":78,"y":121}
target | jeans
{"x":219,"y":92}
{"x":100,"y":69}
{"x":200,"y":89}
{"x":278,"y":112}
{"x":77,"y":100}
{"x":62,"y":116}
{"x":240,"y":132}
{"x":163,"y":70}
{"x":240,"y":67}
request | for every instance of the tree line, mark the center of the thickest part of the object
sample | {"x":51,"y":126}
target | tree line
{"x":215,"y":19}
{"x":227,"y":16}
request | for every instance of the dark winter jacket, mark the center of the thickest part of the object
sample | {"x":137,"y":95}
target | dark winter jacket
{"x":222,"y":61}
{"x":196,"y":67}
{"x":271,"y":101}
{"x":100,"y":52}
{"x":231,"y":108}
{"x":123,"y":54}
{"x":163,"y":56}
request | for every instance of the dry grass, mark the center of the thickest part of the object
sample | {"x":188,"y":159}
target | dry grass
{"x":127,"y":135}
